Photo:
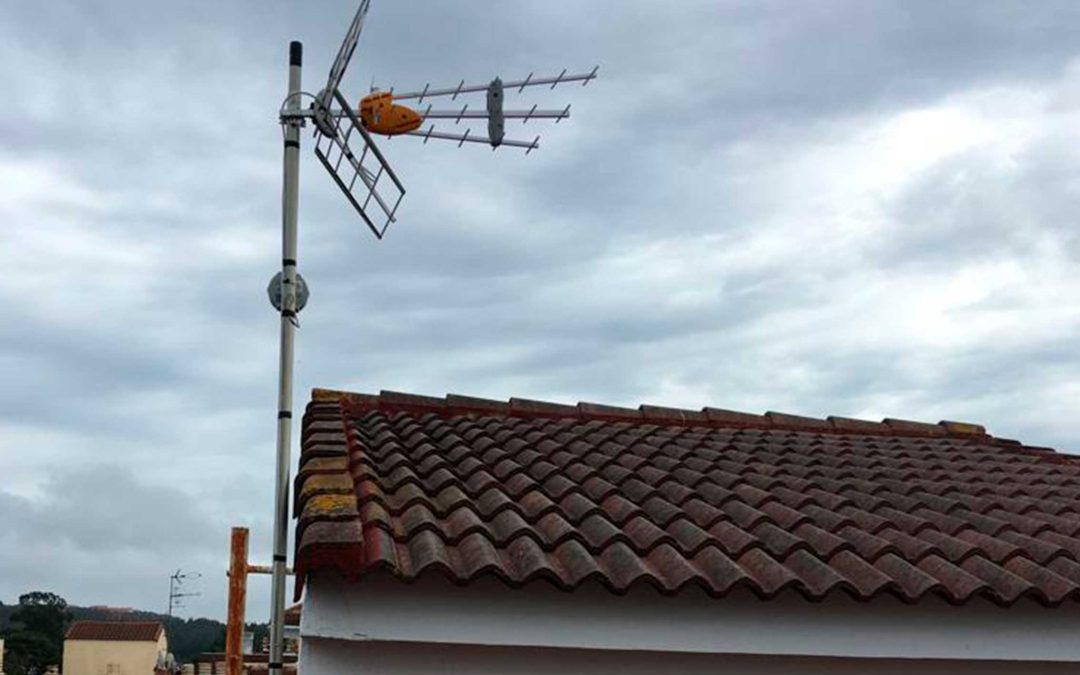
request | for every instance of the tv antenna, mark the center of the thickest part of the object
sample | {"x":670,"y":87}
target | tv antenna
{"x":175,"y":595}
{"x":344,"y":145}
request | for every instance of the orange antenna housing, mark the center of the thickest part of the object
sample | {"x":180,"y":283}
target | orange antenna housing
{"x":381,"y":115}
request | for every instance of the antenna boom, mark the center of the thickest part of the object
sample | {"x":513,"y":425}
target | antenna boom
{"x":483,"y":114}
{"x":468,"y":138}
{"x":584,"y":78}
{"x":477,"y":114}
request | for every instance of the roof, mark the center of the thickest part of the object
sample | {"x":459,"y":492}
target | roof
{"x":675,"y":499}
{"x":292,"y":614}
{"x":127,"y":631}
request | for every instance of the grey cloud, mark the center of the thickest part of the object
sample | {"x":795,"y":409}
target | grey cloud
{"x":101,"y":530}
{"x":104,"y":508}
{"x":969,"y":207}
{"x":506,"y":276}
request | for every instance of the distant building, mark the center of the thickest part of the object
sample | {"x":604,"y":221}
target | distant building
{"x":213,"y":663}
{"x":292,"y":628}
{"x":114,"y":647}
{"x":291,"y":631}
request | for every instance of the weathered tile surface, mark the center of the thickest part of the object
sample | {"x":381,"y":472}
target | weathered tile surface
{"x":123,"y":631}
{"x":527,"y":490}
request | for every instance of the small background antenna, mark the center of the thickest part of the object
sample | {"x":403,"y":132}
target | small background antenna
{"x":176,"y":596}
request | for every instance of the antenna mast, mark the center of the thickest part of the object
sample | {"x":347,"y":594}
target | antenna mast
{"x":343,"y":144}
{"x":289,"y":307}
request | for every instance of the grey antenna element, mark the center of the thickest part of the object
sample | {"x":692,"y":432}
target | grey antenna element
{"x":524,"y":115}
{"x":467,"y":138}
{"x":344,"y":55}
{"x":520,"y":85}
{"x":496,"y":125}
{"x":495,"y":114}
{"x":360,"y":184}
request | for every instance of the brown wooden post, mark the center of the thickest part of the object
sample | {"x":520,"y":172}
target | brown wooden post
{"x":234,"y":629}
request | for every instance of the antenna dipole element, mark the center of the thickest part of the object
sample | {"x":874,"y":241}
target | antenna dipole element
{"x":344,"y":55}
{"x":530,"y":81}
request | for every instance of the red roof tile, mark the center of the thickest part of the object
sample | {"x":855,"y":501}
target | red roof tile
{"x":292,"y":614}
{"x":128,"y":631}
{"x":527,"y":490}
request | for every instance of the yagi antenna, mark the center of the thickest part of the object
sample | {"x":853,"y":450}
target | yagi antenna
{"x":363,"y":174}
{"x":344,"y":145}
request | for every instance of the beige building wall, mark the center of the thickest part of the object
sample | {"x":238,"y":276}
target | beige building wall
{"x":112,"y":657}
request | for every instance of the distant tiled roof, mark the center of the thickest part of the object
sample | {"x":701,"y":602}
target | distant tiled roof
{"x":524,"y":490}
{"x":132,"y":631}
{"x":292,"y":614}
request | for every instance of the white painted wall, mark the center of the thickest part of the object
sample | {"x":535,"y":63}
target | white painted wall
{"x":381,"y":609}
{"x":339,"y":657}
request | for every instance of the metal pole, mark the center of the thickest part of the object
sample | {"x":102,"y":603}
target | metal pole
{"x":289,"y":208}
{"x":234,"y":628}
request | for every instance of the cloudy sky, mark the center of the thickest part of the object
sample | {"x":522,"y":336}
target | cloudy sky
{"x":851,"y":208}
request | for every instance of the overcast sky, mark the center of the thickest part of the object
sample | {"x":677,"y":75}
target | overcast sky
{"x":852,"y":208}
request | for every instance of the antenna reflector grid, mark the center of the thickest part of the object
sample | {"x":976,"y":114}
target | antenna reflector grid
{"x":362,"y":178}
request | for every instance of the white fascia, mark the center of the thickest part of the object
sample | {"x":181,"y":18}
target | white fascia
{"x":539,"y":615}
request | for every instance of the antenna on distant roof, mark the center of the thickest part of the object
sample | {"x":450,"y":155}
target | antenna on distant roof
{"x":175,"y":595}
{"x":344,"y":146}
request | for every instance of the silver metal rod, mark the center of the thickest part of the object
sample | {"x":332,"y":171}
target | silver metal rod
{"x":266,"y":569}
{"x":519,"y":85}
{"x":445,"y":114}
{"x":483,"y":114}
{"x":467,"y":138}
{"x":289,"y":210}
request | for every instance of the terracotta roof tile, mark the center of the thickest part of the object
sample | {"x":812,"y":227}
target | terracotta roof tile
{"x":714,"y":499}
{"x":124,"y":631}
